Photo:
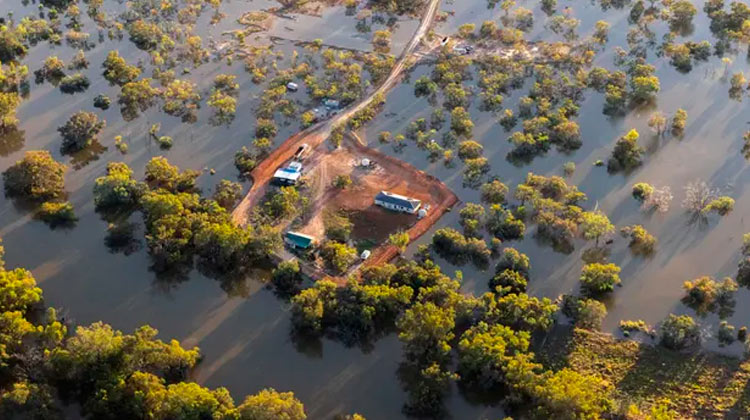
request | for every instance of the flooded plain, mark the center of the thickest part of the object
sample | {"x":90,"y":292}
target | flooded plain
{"x":243,"y":329}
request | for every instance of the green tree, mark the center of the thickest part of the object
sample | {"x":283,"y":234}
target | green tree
{"x":137,"y":96}
{"x":641,"y":242}
{"x":426,"y":330}
{"x":569,"y":394}
{"x":643,"y":88}
{"x":461,"y":122}
{"x":599,"y":278}
{"x":269,"y":404}
{"x":679,"y":332}
{"x":626,"y":154}
{"x":494,"y":192}
{"x":286,"y":276}
{"x":118,"y":71}
{"x":117,"y":189}
{"x":37,"y":177}
{"x":284,"y":203}
{"x":338,"y":256}
{"x":161,"y":174}
{"x":400,"y":240}
{"x":342,"y":181}
{"x":518,"y":311}
{"x":55,"y":213}
{"x":486,"y":352}
{"x":9,"y":101}
{"x":469,"y":149}
{"x":227,"y":193}
{"x":514,"y":260}
{"x":595,"y":224}
{"x":80,"y":131}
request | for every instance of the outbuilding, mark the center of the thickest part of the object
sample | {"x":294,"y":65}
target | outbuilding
{"x":298,"y":240}
{"x":287,"y":176}
{"x":397,"y":202}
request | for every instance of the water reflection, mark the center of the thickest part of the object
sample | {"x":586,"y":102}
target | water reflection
{"x":11,"y":140}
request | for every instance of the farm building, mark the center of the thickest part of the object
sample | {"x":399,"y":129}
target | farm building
{"x":397,"y":202}
{"x":289,"y":175}
{"x":298,"y":240}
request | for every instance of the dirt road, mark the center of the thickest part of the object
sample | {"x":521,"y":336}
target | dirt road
{"x":318,"y":133}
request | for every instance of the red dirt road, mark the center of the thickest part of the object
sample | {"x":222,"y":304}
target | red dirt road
{"x":318,"y":133}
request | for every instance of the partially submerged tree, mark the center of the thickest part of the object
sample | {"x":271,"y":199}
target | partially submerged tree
{"x":595,"y":224}
{"x":626,"y":154}
{"x":36,"y":177}
{"x":80,"y":131}
{"x":599,"y":278}
{"x":679,"y":332}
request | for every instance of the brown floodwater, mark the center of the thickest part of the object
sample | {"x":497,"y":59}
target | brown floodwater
{"x":243,"y":329}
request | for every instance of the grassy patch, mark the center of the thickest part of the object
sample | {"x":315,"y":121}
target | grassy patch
{"x":696,"y":385}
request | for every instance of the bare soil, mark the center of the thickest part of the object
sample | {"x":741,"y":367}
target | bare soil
{"x":371,"y":222}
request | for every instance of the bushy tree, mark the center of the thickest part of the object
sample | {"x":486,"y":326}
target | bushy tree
{"x":55,"y":213}
{"x":511,"y":259}
{"x":642,"y":190}
{"x":569,"y":394}
{"x":286,"y":276}
{"x":599,"y":278}
{"x":509,"y":280}
{"x":269,"y":404}
{"x":118,"y":71}
{"x":486,"y":353}
{"x":469,"y":149}
{"x":595,"y":224}
{"x":641,"y":242}
{"x":704,"y":294}
{"x":117,"y":189}
{"x":451,"y":244}
{"x":36,"y":177}
{"x":400,"y":240}
{"x":494,"y":192}
{"x":80,"y":131}
{"x":426,"y":330}
{"x":679,"y":332}
{"x":9,"y":101}
{"x":227,"y":193}
{"x":161,"y":174}
{"x":337,"y":255}
{"x":518,"y":311}
{"x":626,"y":154}
{"x":342,"y":181}
{"x":284,"y":203}
{"x":136,"y":97}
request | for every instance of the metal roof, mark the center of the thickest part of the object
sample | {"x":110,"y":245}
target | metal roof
{"x":398,"y":200}
{"x":300,"y":239}
{"x":292,"y":172}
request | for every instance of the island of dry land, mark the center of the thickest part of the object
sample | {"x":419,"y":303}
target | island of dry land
{"x":372,"y":224}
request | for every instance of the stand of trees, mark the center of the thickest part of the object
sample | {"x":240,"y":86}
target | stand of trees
{"x":110,"y":374}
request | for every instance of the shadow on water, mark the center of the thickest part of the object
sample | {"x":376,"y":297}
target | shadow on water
{"x":244,"y":330}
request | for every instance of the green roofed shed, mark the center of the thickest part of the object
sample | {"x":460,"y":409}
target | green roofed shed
{"x":298,"y":240}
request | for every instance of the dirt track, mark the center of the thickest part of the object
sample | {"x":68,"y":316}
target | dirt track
{"x":318,"y":133}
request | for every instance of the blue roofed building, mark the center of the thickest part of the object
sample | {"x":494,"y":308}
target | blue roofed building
{"x":288,"y":175}
{"x":298,"y":240}
{"x":397,"y":202}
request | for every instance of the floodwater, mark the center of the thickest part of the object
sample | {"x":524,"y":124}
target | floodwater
{"x":243,"y":329}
